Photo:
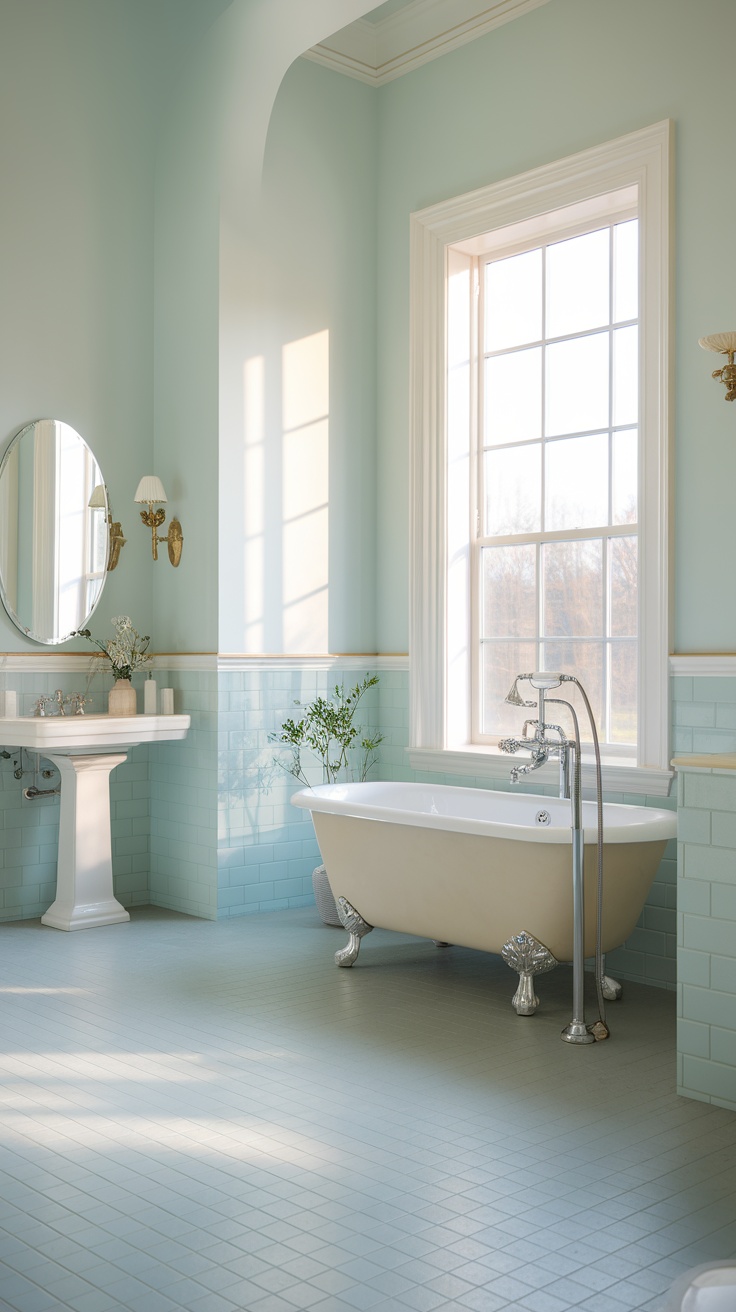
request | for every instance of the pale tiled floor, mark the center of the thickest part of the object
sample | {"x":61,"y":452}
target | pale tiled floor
{"x":211,"y":1116}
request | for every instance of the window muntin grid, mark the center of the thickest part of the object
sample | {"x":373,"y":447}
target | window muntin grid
{"x":556,"y":552}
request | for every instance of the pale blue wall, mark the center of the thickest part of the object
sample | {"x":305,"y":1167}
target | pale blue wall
{"x":317,"y":262}
{"x":330,"y":207}
{"x":78,"y":250}
{"x":184,"y":445}
{"x":77,"y":84}
{"x":85,"y":87}
{"x":135,"y":286}
{"x":567,"y":76}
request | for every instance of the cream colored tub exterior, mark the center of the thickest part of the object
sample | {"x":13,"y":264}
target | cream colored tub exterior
{"x":475,"y":867}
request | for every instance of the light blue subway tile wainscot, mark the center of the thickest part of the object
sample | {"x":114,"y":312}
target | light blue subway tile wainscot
{"x":707,"y":927}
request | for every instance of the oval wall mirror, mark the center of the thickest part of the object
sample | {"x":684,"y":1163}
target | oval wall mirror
{"x":53,"y":531}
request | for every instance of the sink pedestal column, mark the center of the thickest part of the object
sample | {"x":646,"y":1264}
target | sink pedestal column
{"x":84,"y":896}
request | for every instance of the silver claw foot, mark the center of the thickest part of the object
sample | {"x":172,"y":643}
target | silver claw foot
{"x":357,"y":928}
{"x":525,"y":954}
{"x":611,"y":988}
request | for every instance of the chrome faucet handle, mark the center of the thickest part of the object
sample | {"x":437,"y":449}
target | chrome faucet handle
{"x":59,"y":698}
{"x":509,"y":745}
{"x":78,"y":701}
{"x":39,"y":706}
{"x":558,"y":729}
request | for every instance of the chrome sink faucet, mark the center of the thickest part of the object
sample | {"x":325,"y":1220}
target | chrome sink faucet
{"x":60,"y":703}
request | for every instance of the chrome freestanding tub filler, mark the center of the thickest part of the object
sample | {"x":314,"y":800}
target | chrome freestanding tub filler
{"x":482,"y":869}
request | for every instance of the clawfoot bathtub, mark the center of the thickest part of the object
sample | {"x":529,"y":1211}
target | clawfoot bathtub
{"x":482,"y":869}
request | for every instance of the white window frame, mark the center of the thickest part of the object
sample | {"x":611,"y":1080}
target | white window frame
{"x":440,"y":600}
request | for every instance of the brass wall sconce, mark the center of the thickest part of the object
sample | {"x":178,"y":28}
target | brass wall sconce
{"x":151,"y":493}
{"x":100,"y":500}
{"x":724,"y":344}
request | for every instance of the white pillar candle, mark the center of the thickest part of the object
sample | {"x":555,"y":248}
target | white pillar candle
{"x":11,"y":705}
{"x":149,"y":697}
{"x":167,"y":701}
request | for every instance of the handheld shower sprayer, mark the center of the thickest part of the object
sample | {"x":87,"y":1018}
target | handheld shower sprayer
{"x":513,"y":696}
{"x":540,"y":680}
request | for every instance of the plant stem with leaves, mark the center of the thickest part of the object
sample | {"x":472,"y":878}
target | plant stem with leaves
{"x":327,"y":730}
{"x":126,"y":652}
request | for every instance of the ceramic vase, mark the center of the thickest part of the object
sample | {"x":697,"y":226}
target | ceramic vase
{"x":121,"y":699}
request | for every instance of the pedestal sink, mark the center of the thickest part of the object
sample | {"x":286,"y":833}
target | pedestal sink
{"x":85,"y":749}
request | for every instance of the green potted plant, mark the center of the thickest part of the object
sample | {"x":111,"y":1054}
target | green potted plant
{"x":326,"y":730}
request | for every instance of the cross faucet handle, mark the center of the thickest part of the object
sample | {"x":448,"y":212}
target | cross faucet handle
{"x":509,"y":745}
{"x":40,"y":705}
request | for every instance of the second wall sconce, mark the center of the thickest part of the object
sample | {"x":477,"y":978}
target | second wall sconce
{"x":151,"y":493}
{"x":724,"y":344}
{"x":100,"y":500}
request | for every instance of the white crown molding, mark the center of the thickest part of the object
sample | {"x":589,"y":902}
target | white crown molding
{"x":377,"y":53}
{"x":705,"y":663}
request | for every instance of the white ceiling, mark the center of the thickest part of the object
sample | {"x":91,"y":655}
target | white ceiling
{"x":400,"y":35}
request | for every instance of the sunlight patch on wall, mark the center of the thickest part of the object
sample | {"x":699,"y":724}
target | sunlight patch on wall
{"x":254,"y":499}
{"x":305,"y":493}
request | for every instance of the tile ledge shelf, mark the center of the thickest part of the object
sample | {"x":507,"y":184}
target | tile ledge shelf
{"x":709,"y":761}
{"x":713,"y":663}
{"x":33,"y":662}
{"x":488,"y":763}
{"x":695,"y":663}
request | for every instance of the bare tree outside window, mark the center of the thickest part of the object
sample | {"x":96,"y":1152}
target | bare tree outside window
{"x":557,"y":474}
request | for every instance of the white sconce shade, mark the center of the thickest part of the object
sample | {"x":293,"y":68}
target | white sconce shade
{"x":722,"y":342}
{"x":150,"y":490}
{"x":98,"y":500}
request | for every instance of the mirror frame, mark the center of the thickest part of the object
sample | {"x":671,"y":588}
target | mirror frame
{"x":15,"y":618}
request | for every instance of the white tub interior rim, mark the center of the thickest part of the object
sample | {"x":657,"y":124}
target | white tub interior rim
{"x":486,"y":812}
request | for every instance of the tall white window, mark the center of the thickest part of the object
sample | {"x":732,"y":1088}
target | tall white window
{"x":539,"y":462}
{"x":554,"y":559}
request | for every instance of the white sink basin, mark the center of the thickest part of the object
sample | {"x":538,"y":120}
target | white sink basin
{"x":79,"y":734}
{"x":86,"y":749}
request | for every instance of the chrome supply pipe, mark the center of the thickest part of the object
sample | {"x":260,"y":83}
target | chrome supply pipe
{"x":577,"y":1031}
{"x":569,"y":753}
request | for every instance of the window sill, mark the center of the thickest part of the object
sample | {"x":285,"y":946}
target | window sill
{"x":487,"y":763}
